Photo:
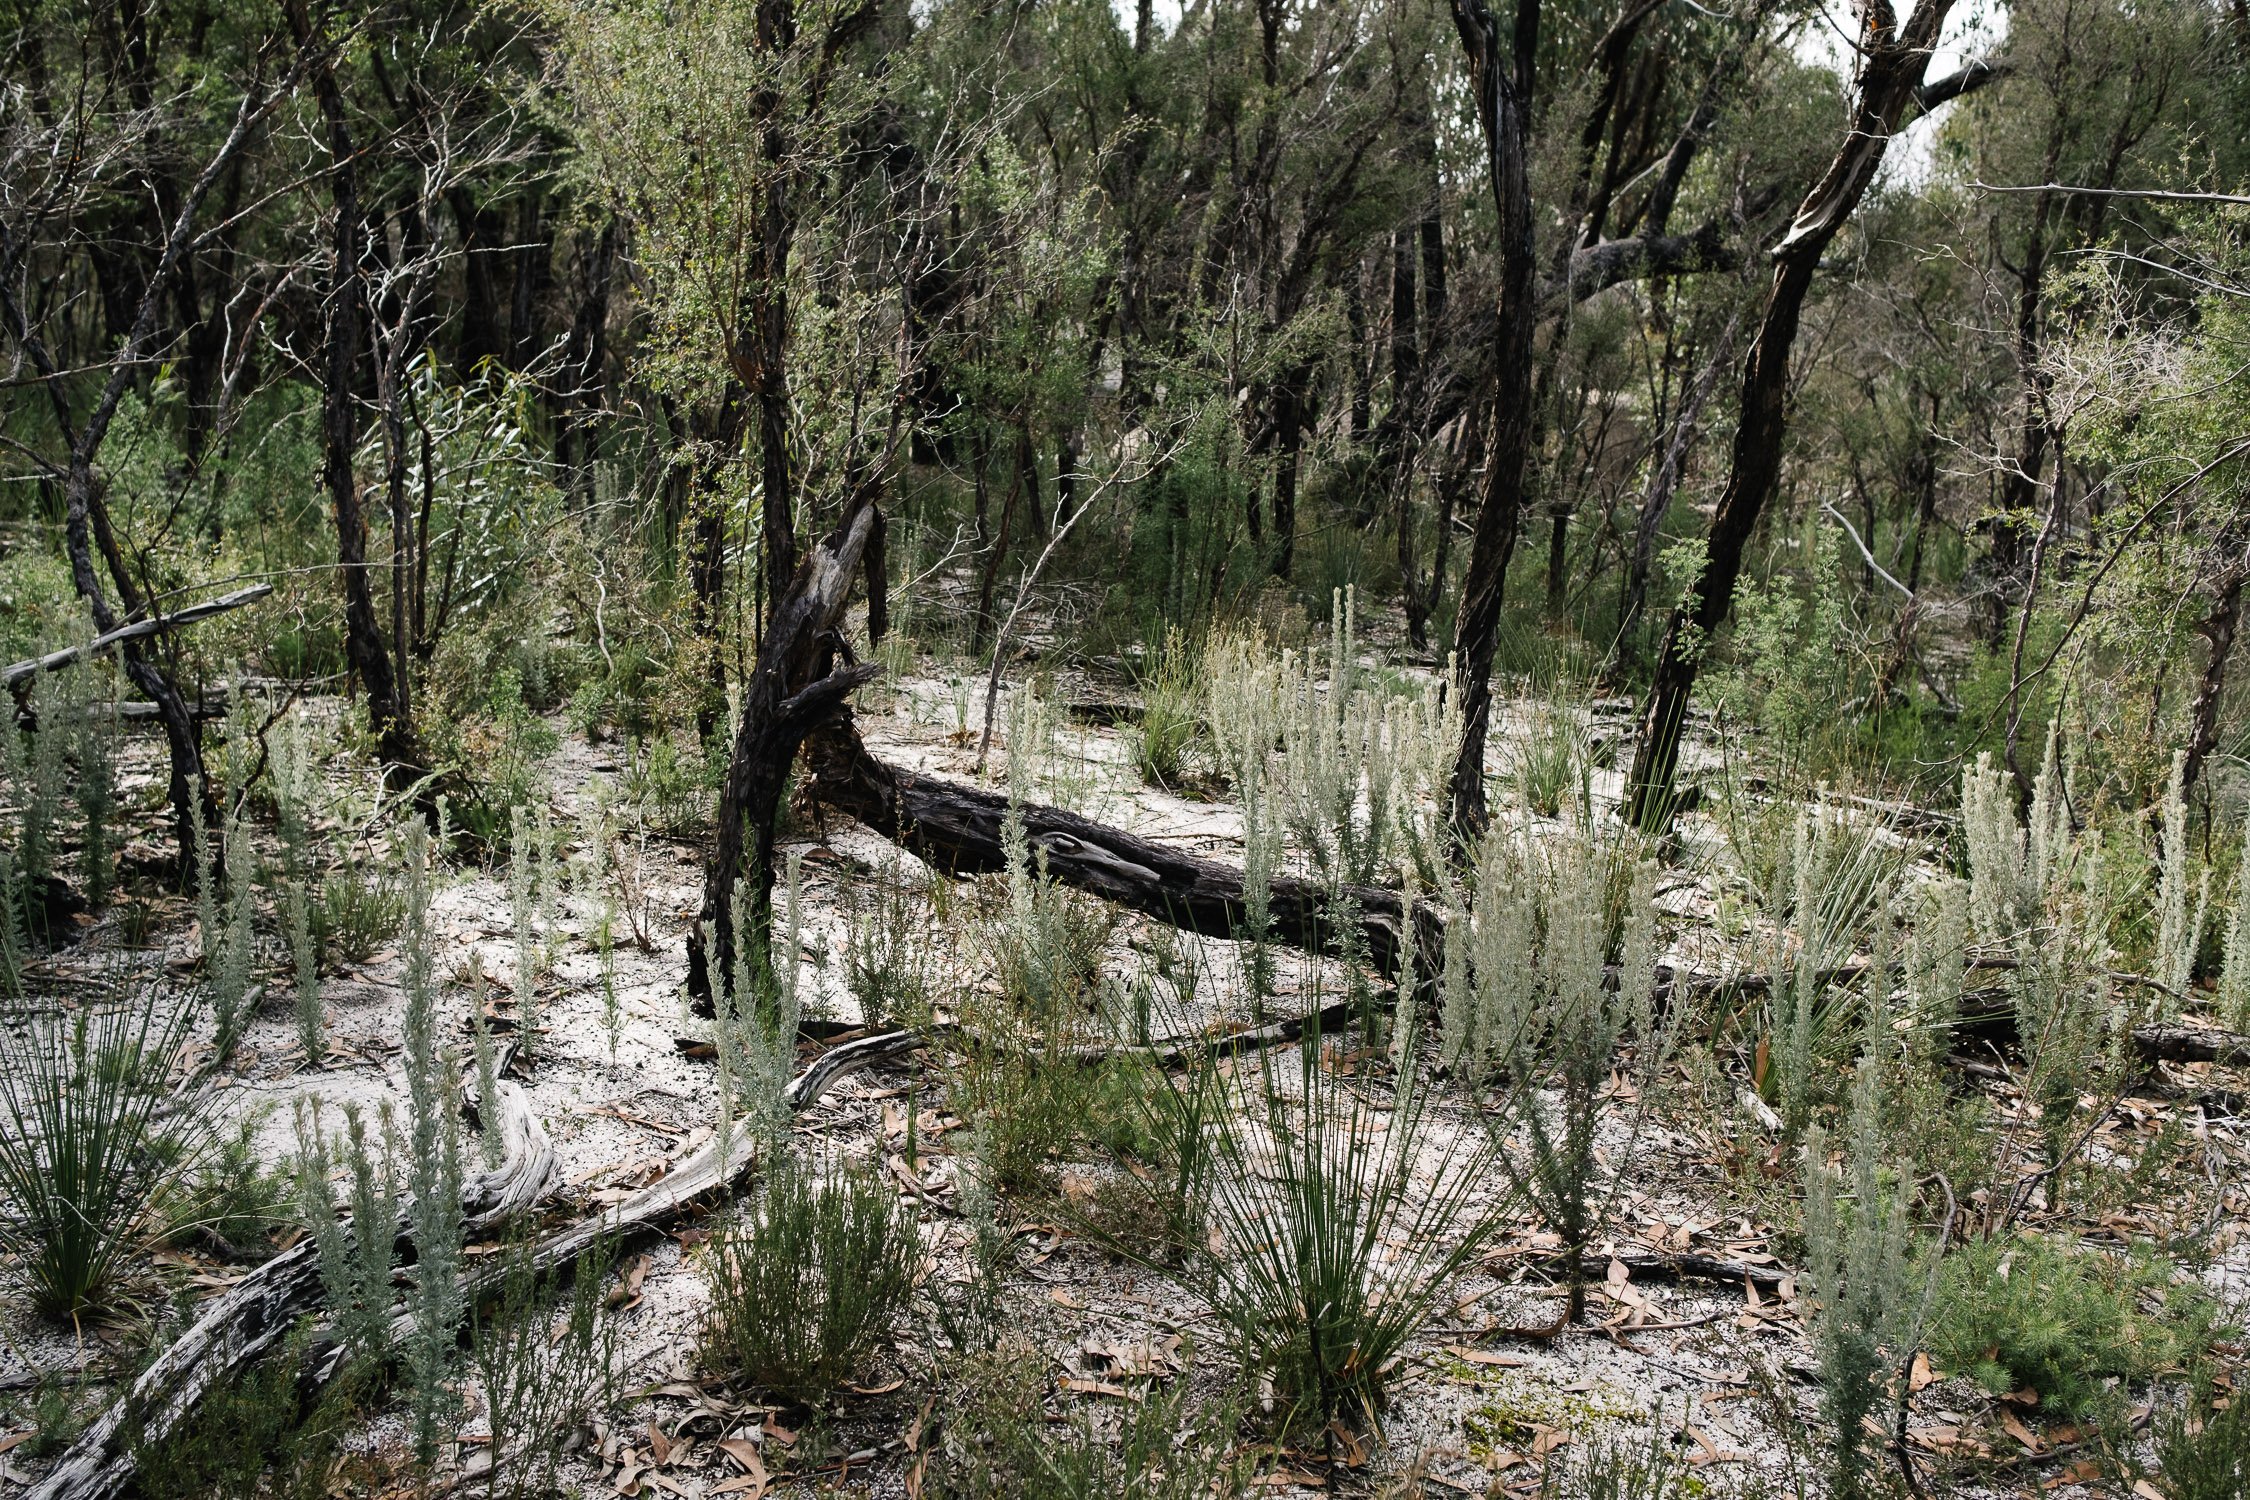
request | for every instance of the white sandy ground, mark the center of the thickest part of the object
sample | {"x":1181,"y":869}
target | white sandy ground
{"x":1728,"y":1382}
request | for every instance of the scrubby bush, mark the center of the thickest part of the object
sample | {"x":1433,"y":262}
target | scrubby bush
{"x":2068,"y":1322}
{"x":359,"y":910}
{"x":809,"y":1279}
{"x":1529,"y":1004}
{"x":2204,"y":1454}
{"x":253,"y":1437}
{"x":996,"y":1442}
{"x":544,"y":1363}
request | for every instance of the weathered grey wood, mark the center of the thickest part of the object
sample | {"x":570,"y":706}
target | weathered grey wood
{"x":55,"y":661}
{"x":256,"y":1314}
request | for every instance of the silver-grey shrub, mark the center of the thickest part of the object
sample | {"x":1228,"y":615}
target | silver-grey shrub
{"x":1547,"y":975}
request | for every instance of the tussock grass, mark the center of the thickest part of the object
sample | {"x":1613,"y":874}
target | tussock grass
{"x":88,"y":1145}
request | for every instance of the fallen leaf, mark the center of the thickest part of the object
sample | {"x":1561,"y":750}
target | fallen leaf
{"x":1485,"y":1357}
{"x":1097,"y":1388}
{"x":2013,"y":1427}
{"x":1920,"y":1375}
{"x":745,"y":1453}
{"x":658,"y":1444}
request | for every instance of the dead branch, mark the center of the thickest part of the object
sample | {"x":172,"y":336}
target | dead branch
{"x":55,"y":661}
{"x":957,"y":828}
{"x":258,"y":1312}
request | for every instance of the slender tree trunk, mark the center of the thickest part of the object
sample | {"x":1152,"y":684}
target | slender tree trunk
{"x":364,"y":646}
{"x":2218,"y":627}
{"x":1664,"y":483}
{"x":584,"y":356}
{"x":1289,"y":435}
{"x":1502,"y":87}
{"x":1558,"y":560}
{"x":1892,"y":61}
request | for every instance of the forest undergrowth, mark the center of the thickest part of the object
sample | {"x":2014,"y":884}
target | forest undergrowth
{"x":909,"y":748}
{"x":1805,"y":1149}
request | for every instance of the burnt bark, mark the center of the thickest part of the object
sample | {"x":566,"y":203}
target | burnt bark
{"x":957,"y":828}
{"x":2219,"y":628}
{"x":795,"y":685}
{"x":1502,"y":86}
{"x":342,"y":344}
{"x":1893,"y":59}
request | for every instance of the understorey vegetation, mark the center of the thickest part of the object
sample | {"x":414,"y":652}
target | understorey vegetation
{"x":1379,"y":747}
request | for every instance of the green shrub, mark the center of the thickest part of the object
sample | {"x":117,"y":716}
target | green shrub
{"x":1331,"y":1225}
{"x":233,"y":1198}
{"x":1640,"y":1467}
{"x":251,"y":1438}
{"x":2038,"y":1311}
{"x":86,"y":1147}
{"x":809,"y":1279}
{"x":891,"y":949}
{"x":544,"y":1363}
{"x":671,"y":792}
{"x":2205,"y":1455}
{"x":1171,"y":719}
{"x":996,"y":1442}
{"x":360,"y":909}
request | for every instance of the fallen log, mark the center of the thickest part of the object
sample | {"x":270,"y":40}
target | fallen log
{"x":705,"y":1173}
{"x":257,"y":1313}
{"x":956,"y":828}
{"x":54,"y":661}
{"x":2172,"y":1042}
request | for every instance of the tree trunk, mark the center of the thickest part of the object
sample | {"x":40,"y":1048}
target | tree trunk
{"x":2203,"y":718}
{"x":364,"y":645}
{"x":1664,"y":483}
{"x":792,"y":688}
{"x":1892,"y":63}
{"x":1289,"y":434}
{"x":1503,"y":108}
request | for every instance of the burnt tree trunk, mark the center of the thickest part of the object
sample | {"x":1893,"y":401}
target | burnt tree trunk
{"x":957,"y":828}
{"x":1289,"y":442}
{"x":1502,"y":85}
{"x":1893,"y":59}
{"x":795,"y":684}
{"x":2219,"y":628}
{"x":1664,"y":483}
{"x":364,"y":646}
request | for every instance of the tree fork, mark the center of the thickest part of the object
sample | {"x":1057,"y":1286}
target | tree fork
{"x":1893,"y":62}
{"x":795,"y":685}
